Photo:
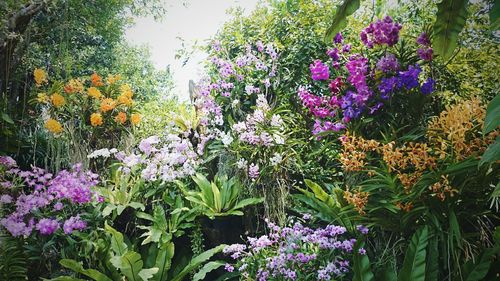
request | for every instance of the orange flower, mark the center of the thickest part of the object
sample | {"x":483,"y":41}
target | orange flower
{"x":53,"y":126}
{"x":121,"y":118}
{"x":122,"y":99}
{"x":96,"y":80}
{"x":73,"y":86}
{"x":135,"y":118}
{"x":96,"y":119}
{"x":40,"y":76}
{"x":358,"y":199}
{"x":107,"y":104}
{"x":57,"y":100}
{"x":94,"y":92}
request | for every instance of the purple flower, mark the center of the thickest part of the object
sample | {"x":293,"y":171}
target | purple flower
{"x":5,"y":199}
{"x":362,"y":251}
{"x":338,"y":38}
{"x":428,"y":86}
{"x":8,"y":162}
{"x":306,"y":216}
{"x":333,"y":53}
{"x":425,"y":53}
{"x":381,"y":32}
{"x":423,"y":39}
{"x":346,"y":48}
{"x":47,"y":226}
{"x":147,"y":145}
{"x":319,"y":70}
{"x":72,"y":224}
{"x":228,"y":267}
{"x":253,"y":171}
{"x":260,"y":46}
{"x":216,"y":46}
{"x":387,"y":86}
{"x":363,"y":229}
{"x":58,"y":206}
{"x":409,"y":78}
{"x":388,"y":63}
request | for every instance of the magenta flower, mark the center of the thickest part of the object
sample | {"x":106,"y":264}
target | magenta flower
{"x":381,"y":32}
{"x":319,"y":70}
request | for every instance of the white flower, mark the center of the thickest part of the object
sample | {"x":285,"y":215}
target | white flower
{"x":276,"y":159}
{"x":278,"y":139}
{"x":242,"y":164}
{"x":235,"y":102}
{"x":102,"y":153}
{"x":226,"y":138}
{"x":276,"y":121}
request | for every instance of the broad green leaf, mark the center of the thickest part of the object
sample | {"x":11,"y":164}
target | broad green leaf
{"x":492,"y":119}
{"x":246,"y":202}
{"x":432,"y":266}
{"x":495,"y":16}
{"x":164,"y":261}
{"x":197,"y":261}
{"x":339,"y":22}
{"x":147,"y":274}
{"x":320,"y":193}
{"x":130,"y":264}
{"x":414,"y":263}
{"x":476,"y":271}
{"x":450,"y":20}
{"x":7,"y":118}
{"x":492,"y":153}
{"x":78,"y":267}
{"x":361,"y":268}
{"x":117,"y":243}
{"x":217,"y":198}
{"x":64,"y":278}
{"x":213,"y":265}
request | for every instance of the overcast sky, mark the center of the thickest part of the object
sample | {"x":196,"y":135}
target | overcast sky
{"x":198,"y":20}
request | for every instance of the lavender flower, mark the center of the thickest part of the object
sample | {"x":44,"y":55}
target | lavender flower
{"x":47,"y":226}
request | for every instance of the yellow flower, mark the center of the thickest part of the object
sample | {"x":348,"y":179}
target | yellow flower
{"x":135,"y":118}
{"x":53,"y":126}
{"x":121,"y":118}
{"x":122,"y":99}
{"x":96,"y":119}
{"x":126,"y":91}
{"x":42,"y":98}
{"x":73,"y":86}
{"x":107,"y":104}
{"x":94,"y":92}
{"x":113,"y":78}
{"x":96,"y":80}
{"x":40,"y":76}
{"x":57,"y":100}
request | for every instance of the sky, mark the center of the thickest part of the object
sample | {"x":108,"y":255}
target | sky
{"x":190,"y":20}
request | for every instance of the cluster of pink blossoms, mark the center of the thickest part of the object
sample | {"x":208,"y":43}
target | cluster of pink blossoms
{"x":36,"y":197}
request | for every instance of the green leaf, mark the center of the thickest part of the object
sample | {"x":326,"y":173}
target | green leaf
{"x":196,"y":261}
{"x":147,"y":274}
{"x":246,"y":202}
{"x":414,"y":263}
{"x":78,"y":267}
{"x":339,"y":22}
{"x":492,"y":119}
{"x":361,"y":268}
{"x":217,"y":197}
{"x":64,"y":278}
{"x":130,"y":265}
{"x":7,"y":118}
{"x":495,"y":16}
{"x":492,"y":153}
{"x":450,"y":20}
{"x":432,"y":266}
{"x":117,"y":243}
{"x":476,"y":271}
{"x":213,"y":265}
{"x":164,"y":261}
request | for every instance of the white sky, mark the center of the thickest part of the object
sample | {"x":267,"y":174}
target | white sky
{"x":198,"y":20}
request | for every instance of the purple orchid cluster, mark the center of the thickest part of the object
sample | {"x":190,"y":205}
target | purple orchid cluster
{"x":35,"y":198}
{"x":360,"y":87}
{"x":296,"y":253}
{"x":167,"y":159}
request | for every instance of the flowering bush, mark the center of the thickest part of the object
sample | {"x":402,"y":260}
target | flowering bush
{"x":36,"y":199}
{"x":296,"y":253}
{"x":97,"y":102}
{"x":363,"y":84}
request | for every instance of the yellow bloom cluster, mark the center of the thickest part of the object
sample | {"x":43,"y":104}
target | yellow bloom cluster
{"x":110,"y":100}
{"x":358,"y":199}
{"x":73,"y":86}
{"x":40,"y":76}
{"x":441,"y":188}
{"x":96,"y":119}
{"x":457,"y":130}
{"x":57,"y":100}
{"x":53,"y":126}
